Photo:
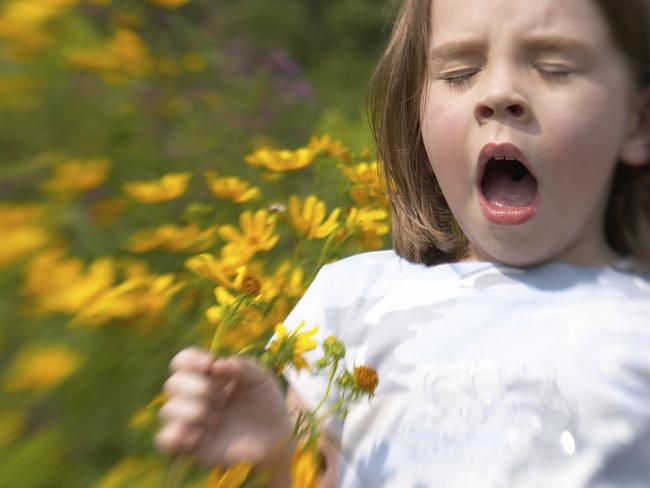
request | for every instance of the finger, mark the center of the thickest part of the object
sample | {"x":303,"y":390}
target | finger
{"x":244,"y":371}
{"x":183,"y":410}
{"x":193,"y":385}
{"x":193,"y":359}
{"x":177,"y":438}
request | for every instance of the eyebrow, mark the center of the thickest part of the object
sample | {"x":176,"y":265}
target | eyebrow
{"x":476,"y":47}
{"x":456,"y":49}
{"x":555,"y":43}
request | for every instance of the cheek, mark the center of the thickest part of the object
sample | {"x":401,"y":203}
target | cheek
{"x":583,"y":139}
{"x":444,"y":131}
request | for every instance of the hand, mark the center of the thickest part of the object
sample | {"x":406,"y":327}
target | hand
{"x":224,"y":411}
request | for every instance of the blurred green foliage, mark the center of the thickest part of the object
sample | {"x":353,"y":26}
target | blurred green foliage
{"x":153,"y":90}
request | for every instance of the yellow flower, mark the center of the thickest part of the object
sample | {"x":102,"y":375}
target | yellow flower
{"x":305,"y":467}
{"x":39,"y":367}
{"x":169,"y":3}
{"x":233,"y":477}
{"x":59,"y":284}
{"x":368,"y":186}
{"x":22,"y":21}
{"x":281,"y":159}
{"x":329,"y":146}
{"x":172,"y":238}
{"x":256,"y":235}
{"x":21,"y":231}
{"x":122,"y":57}
{"x":208,"y":266}
{"x":17,"y":242}
{"x":140,"y":298}
{"x":77,"y":176}
{"x":249,"y":327}
{"x":289,"y":347}
{"x":370,"y":224}
{"x":169,"y":187}
{"x":287,"y":279}
{"x":366,"y":173}
{"x":13,"y":214}
{"x":231,"y":188}
{"x":310,"y":221}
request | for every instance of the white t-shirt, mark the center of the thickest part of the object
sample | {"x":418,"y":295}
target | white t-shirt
{"x":489,"y":376}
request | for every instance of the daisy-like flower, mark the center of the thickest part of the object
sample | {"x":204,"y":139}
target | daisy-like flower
{"x":140,"y":298}
{"x":309,"y":217}
{"x":365,"y":378}
{"x":173,"y":238}
{"x":123,"y":57}
{"x":289,"y":347}
{"x":17,"y":242}
{"x":370,"y":224}
{"x":218,"y":270}
{"x":77,"y":176}
{"x":40,"y":367}
{"x":169,"y":187}
{"x":21,"y":230}
{"x":327,"y":145}
{"x":368,"y":186}
{"x":231,"y":188}
{"x":281,"y":159}
{"x":55,"y":282}
{"x":256,"y":234}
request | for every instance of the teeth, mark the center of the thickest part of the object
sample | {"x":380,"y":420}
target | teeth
{"x":501,"y":158}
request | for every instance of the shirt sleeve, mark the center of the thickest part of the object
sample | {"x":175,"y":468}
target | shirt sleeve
{"x":312,"y":309}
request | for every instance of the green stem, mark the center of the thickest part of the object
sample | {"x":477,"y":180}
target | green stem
{"x":330,"y":380}
{"x":333,"y":409}
{"x":324,"y":252}
{"x":298,"y":251}
{"x":217,"y":338}
{"x":176,"y":472}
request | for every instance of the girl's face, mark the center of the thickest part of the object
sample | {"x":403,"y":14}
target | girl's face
{"x":527,"y":107}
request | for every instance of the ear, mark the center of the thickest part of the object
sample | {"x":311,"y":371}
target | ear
{"x":636,"y":147}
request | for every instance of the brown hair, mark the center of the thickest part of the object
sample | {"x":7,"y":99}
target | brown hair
{"x":424,"y":229}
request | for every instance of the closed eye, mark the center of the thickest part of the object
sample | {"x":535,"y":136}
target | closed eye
{"x":458,"y":79}
{"x":554,"y":72}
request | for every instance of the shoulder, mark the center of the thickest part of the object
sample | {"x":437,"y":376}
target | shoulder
{"x":375,"y":262}
{"x":372,"y":270}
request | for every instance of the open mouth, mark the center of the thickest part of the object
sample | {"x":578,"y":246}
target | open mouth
{"x":508,"y":183}
{"x":508,"y":193}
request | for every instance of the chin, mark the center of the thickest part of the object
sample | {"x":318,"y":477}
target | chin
{"x":517,"y":256}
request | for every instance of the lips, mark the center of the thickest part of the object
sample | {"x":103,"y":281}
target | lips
{"x":507,"y":187}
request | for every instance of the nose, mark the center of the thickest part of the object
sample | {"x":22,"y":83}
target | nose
{"x":502,"y":100}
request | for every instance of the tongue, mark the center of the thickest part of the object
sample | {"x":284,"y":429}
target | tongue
{"x":502,"y":190}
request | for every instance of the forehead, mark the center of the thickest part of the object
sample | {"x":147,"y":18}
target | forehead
{"x":453,"y":19}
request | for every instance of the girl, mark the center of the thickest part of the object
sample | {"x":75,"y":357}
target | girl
{"x":510,"y":326}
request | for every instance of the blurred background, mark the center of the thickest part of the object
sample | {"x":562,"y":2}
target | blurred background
{"x":96,"y":95}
